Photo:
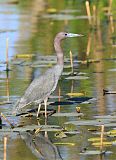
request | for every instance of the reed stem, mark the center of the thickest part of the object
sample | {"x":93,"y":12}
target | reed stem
{"x":59,"y":93}
{"x":12,"y":126}
{"x":101,"y":139}
{"x":7,"y":65}
{"x":88,"y":12}
{"x":71,"y":61}
{"x":94,"y":15}
{"x":5,"y":146}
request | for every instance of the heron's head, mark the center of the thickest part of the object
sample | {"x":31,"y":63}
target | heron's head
{"x":63,"y":35}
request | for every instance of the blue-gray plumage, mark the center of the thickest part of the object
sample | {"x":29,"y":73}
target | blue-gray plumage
{"x":40,"y":88}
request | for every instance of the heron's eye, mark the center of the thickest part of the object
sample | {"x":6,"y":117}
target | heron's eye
{"x":65,"y":34}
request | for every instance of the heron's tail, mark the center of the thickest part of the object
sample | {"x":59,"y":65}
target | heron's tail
{"x":15,"y":108}
{"x":20,"y":105}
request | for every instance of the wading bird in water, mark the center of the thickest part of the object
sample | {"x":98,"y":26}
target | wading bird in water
{"x":41,"y":88}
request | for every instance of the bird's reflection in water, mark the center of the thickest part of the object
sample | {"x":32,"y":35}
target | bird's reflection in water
{"x":41,"y":146}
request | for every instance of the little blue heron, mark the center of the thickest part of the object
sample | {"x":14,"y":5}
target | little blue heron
{"x":41,"y":88}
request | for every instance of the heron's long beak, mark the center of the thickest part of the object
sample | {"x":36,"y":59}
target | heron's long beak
{"x":74,"y":35}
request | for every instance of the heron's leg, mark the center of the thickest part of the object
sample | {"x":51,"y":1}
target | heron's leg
{"x":38,"y":109}
{"x":45,"y":103}
{"x":46,"y":133}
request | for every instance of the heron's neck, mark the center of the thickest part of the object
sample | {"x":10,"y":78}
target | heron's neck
{"x":59,"y":51}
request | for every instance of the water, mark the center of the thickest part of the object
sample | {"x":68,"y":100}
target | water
{"x":31,"y":30}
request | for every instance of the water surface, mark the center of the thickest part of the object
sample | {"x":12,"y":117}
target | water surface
{"x":31,"y":30}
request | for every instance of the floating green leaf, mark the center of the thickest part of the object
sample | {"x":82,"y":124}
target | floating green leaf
{"x":70,"y":127}
{"x":79,"y":99}
{"x":76,"y":94}
{"x":95,"y":139}
{"x":60,"y":134}
{"x":73,"y":114}
{"x":110,"y":124}
{"x":95,"y":152}
{"x":77,"y":78}
{"x":51,"y":10}
{"x":24,"y":55}
{"x":97,"y":144}
{"x":61,"y":103}
{"x":106,"y":117}
{"x":71,"y":132}
{"x":64,"y":143}
{"x":111,"y":133}
{"x":88,"y":122}
{"x":33,"y":127}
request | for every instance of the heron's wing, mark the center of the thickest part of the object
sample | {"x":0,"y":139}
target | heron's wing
{"x":39,"y":89}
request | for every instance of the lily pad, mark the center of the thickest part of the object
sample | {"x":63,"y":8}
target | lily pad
{"x":97,"y":152}
{"x":70,"y":127}
{"x":66,"y":66}
{"x":77,"y":78}
{"x":51,"y":10}
{"x":81,"y":73}
{"x":63,"y":16}
{"x":76,"y":94}
{"x":41,"y":58}
{"x":111,"y":135}
{"x":111,"y":132}
{"x":106,"y":117}
{"x":92,"y":100}
{"x":24,"y":55}
{"x":92,"y":129}
{"x":71,"y":132}
{"x":32,"y":127}
{"x":69,"y":11}
{"x":5,"y":102}
{"x":74,"y":114}
{"x":112,"y":70}
{"x":64,"y":143}
{"x":17,"y":62}
{"x":114,"y":143}
{"x":61,"y":103}
{"x":110,"y":124}
{"x":59,"y":16}
{"x":60,"y":134}
{"x":55,"y":97}
{"x":95,"y":139}
{"x":66,"y":73}
{"x":26,"y":63}
{"x":97,"y":144}
{"x":79,"y":99}
{"x":44,"y":62}
{"x":41,"y":65}
{"x":88,"y":122}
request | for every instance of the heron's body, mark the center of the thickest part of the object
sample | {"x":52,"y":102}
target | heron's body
{"x":40,"y":88}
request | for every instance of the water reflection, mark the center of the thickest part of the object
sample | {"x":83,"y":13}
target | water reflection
{"x":41,"y":146}
{"x":7,"y":88}
{"x":8,"y":28}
